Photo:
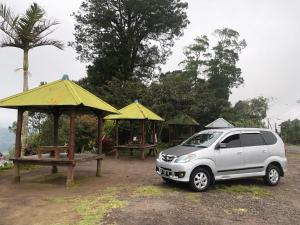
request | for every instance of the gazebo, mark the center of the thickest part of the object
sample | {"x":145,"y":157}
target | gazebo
{"x":57,"y":98}
{"x":131,"y":113}
{"x":181,"y":127}
{"x":219,"y":123}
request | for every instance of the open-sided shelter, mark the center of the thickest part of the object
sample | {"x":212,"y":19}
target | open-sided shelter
{"x":57,"y":98}
{"x":219,"y":123}
{"x":131,"y":113}
{"x":181,"y":127}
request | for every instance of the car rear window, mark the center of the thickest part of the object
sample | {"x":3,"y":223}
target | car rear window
{"x":269,"y":137}
{"x":252,"y":139}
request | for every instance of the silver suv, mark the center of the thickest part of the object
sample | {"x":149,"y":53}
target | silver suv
{"x":223,"y":154}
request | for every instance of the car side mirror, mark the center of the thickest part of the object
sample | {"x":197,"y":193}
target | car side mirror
{"x":220,"y":145}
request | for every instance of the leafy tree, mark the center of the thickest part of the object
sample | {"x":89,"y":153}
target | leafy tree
{"x":26,"y":31}
{"x":223,"y":72}
{"x":250,"y":113}
{"x":290,"y":131}
{"x":126,"y":39}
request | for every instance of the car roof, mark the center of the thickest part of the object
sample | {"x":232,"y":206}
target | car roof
{"x":226,"y":130}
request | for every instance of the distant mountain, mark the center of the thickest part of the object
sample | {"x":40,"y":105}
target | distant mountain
{"x":6,"y":140}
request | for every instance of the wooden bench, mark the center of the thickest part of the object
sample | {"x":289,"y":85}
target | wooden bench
{"x":131,"y":147}
{"x":55,"y":150}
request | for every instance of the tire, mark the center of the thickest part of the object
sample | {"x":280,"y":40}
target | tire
{"x":200,"y":180}
{"x":272,"y":176}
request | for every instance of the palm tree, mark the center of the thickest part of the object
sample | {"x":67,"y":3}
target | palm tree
{"x":26,"y":31}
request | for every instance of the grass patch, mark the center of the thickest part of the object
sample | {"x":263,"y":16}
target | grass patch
{"x":7,"y":166}
{"x":193,"y":197}
{"x":240,"y":189}
{"x":56,"y":199}
{"x":149,"y":191}
{"x":93,"y":209}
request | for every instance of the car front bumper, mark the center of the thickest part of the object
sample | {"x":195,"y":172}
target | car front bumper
{"x":174,"y":171}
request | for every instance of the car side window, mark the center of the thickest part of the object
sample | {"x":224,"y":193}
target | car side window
{"x":252,"y":139}
{"x":232,"y":141}
{"x":269,"y":137}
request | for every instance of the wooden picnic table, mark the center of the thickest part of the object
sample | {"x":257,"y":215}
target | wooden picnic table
{"x":54,"y":150}
{"x":143,"y":148}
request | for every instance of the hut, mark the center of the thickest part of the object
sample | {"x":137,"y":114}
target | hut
{"x":219,"y":123}
{"x":57,"y":98}
{"x":136,"y":112}
{"x":180,"y":128}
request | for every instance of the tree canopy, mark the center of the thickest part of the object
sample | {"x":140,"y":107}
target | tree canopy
{"x":127,"y":39}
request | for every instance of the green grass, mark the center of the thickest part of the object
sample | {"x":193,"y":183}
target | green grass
{"x":92,"y":209}
{"x":7,"y":166}
{"x":240,"y":189}
{"x":56,"y":199}
{"x":193,"y":197}
{"x":149,"y":191}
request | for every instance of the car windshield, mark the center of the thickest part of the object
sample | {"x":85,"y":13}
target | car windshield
{"x":202,"y":140}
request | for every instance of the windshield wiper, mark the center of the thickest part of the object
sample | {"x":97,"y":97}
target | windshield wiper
{"x":188,"y":145}
{"x":201,"y":146}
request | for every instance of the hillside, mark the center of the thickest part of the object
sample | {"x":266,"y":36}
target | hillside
{"x":6,"y":140}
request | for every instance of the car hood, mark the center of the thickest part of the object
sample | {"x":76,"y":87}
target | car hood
{"x":180,"y":150}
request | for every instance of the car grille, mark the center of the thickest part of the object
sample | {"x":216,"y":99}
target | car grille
{"x":168,"y":158}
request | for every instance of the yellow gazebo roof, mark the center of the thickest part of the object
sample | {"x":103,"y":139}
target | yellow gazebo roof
{"x":55,"y":94}
{"x":134,"y":111}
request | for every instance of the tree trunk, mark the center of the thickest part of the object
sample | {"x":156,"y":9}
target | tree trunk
{"x":25,"y":115}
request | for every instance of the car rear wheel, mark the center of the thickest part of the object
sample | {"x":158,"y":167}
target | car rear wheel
{"x":272,"y":176}
{"x":200,"y":180}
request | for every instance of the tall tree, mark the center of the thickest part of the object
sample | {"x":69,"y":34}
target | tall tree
{"x":223,"y":71}
{"x":126,"y":39}
{"x":26,"y":31}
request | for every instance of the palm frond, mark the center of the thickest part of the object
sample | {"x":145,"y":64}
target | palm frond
{"x":45,"y":42}
{"x":8,"y":21}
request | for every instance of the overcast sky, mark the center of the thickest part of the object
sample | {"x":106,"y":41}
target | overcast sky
{"x":270,"y":63}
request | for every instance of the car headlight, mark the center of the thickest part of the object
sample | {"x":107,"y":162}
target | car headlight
{"x":160,"y":155}
{"x":185,"y":158}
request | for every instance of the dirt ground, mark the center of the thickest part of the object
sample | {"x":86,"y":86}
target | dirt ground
{"x":131,"y":193}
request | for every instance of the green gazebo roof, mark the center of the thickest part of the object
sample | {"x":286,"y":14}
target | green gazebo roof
{"x":182,"y":119}
{"x":59,"y":93}
{"x":134,"y":111}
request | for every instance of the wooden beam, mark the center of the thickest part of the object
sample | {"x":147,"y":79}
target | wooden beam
{"x":55,"y":137}
{"x":117,"y":133}
{"x":99,"y":147}
{"x":143,"y":132}
{"x":131,"y":130}
{"x":72,"y":136}
{"x":18,"y":146}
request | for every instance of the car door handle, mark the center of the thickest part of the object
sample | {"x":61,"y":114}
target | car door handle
{"x":239,"y":153}
{"x":264,"y":151}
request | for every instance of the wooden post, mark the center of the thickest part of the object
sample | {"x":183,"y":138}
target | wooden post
{"x":70,"y":176}
{"x":18,"y":145}
{"x":143,"y":139}
{"x":72,"y":136}
{"x":154,"y":140}
{"x":99,"y":147}
{"x":131,"y":131}
{"x":55,"y":137}
{"x":143,"y":132}
{"x":117,"y":138}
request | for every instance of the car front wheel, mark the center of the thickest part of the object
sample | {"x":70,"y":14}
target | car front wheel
{"x":200,"y":180}
{"x":272,"y":176}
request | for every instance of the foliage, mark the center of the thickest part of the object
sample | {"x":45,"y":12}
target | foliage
{"x":149,"y":191}
{"x":26,"y":31}
{"x":250,"y":113}
{"x":256,"y":191}
{"x":290,"y":131}
{"x":126,"y":38}
{"x":6,"y":165}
